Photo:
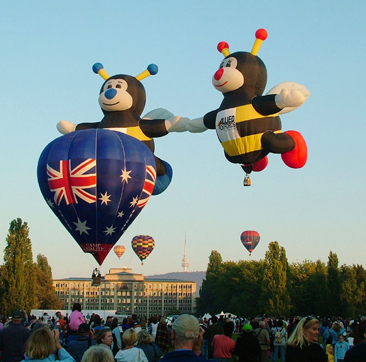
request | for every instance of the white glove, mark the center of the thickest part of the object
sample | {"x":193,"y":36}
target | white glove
{"x":65,"y":127}
{"x":177,"y":124}
{"x":196,"y":125}
{"x":289,"y":95}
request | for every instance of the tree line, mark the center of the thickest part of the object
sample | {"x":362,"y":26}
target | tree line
{"x":25,"y":284}
{"x":274,"y":287}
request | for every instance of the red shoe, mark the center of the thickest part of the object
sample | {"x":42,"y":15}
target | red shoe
{"x":298,"y":156}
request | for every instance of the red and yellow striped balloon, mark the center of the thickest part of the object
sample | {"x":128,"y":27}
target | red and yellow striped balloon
{"x":119,"y":250}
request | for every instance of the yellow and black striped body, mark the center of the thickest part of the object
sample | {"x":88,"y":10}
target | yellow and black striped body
{"x":240,"y":131}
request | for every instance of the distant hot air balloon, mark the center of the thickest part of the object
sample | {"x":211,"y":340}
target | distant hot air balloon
{"x":96,"y":182}
{"x":119,"y":250}
{"x":142,"y":245}
{"x":250,"y":240}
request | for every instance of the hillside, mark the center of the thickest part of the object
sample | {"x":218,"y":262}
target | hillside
{"x":196,"y":276}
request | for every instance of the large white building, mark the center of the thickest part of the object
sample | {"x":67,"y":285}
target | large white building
{"x":128,"y":293}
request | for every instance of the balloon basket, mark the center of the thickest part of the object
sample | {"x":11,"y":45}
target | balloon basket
{"x":247,"y":181}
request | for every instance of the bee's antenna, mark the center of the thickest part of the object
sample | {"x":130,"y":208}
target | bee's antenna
{"x":98,"y":69}
{"x":152,"y":69}
{"x":223,"y":48}
{"x":260,"y":35}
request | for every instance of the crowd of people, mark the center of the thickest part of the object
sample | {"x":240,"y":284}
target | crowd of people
{"x":76,"y":338}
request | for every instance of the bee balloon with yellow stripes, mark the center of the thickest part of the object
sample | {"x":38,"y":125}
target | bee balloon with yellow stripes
{"x":247,"y":123}
{"x":122,"y":99}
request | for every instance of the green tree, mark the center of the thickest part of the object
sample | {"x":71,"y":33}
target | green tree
{"x":334,"y":286}
{"x":46,"y":296}
{"x":207,"y":302}
{"x":247,"y":289}
{"x":275,"y":297}
{"x":18,"y":272}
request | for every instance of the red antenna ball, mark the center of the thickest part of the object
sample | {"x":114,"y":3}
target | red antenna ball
{"x":261,"y":34}
{"x":222,"y":45}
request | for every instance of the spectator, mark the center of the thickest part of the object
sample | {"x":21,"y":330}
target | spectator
{"x":247,"y":346}
{"x":143,"y":324}
{"x":302,"y":346}
{"x":104,"y":339}
{"x":13,"y":338}
{"x":42,"y":345}
{"x":329,"y":350}
{"x":125,"y":324}
{"x":76,"y":318}
{"x":186,"y":339}
{"x":223,"y":344}
{"x":130,"y":353}
{"x":108,"y":322}
{"x":334,"y":331}
{"x":340,"y":349}
{"x":264,"y":340}
{"x":78,"y":346}
{"x":358,"y":352}
{"x":97,"y":326}
{"x":210,"y":332}
{"x":97,"y":354}
{"x":279,"y":334}
{"x":116,"y":334}
{"x":162,"y":336}
{"x":153,"y":327}
{"x":150,"y":348}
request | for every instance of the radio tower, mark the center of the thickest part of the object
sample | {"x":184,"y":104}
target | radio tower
{"x":185,"y":260}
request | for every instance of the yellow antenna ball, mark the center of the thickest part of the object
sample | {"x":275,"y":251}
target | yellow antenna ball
{"x":152,"y":69}
{"x":260,"y":35}
{"x":99,"y":69}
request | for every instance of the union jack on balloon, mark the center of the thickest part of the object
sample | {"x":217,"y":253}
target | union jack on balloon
{"x":96,"y":182}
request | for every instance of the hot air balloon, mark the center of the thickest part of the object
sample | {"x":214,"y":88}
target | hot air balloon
{"x":250,"y":240}
{"x":119,"y":250}
{"x":247,"y":123}
{"x":142,"y":245}
{"x":96,"y":182}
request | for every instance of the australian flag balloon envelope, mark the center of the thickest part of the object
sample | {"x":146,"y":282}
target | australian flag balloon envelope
{"x":97,"y":181}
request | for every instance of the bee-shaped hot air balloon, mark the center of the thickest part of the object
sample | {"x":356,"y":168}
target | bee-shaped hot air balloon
{"x":247,"y":123}
{"x":122,"y":99}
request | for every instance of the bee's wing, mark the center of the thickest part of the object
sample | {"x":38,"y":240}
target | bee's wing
{"x":290,"y":86}
{"x":159,"y":113}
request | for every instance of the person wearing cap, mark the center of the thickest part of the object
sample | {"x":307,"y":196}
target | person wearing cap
{"x":187,"y":339}
{"x":78,"y":346}
{"x":247,"y":346}
{"x":223,"y":344}
{"x":13,"y":338}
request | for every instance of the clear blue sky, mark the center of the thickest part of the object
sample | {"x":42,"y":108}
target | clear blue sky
{"x":47,"y":49}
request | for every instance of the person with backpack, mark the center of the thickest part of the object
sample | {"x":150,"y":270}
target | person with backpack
{"x":279,"y":334}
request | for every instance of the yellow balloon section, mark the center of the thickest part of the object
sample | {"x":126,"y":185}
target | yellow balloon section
{"x":119,"y":250}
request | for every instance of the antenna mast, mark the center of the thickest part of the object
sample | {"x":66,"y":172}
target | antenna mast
{"x":185,"y":260}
